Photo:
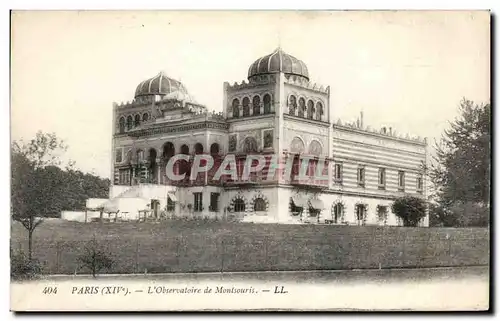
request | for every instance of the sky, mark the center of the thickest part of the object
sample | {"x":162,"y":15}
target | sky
{"x":406,"y":70}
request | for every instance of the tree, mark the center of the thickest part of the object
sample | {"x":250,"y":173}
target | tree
{"x":461,"y":171}
{"x":45,"y":149}
{"x":32,"y":167}
{"x":410,"y":209}
{"x":95,"y":258}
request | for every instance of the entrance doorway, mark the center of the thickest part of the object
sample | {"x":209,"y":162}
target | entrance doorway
{"x":155,"y":208}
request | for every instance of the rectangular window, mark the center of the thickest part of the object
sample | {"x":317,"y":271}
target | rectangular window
{"x":119,"y":155}
{"x":124,"y":177}
{"x":214,"y":202}
{"x":361,"y":214}
{"x":401,"y":180}
{"x":420,"y":183}
{"x":198,"y":203}
{"x":381,"y":178}
{"x":382,"y":214}
{"x":338,"y":173}
{"x":361,"y":176}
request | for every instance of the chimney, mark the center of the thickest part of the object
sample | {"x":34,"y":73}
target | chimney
{"x":361,"y":120}
{"x":390,"y":131}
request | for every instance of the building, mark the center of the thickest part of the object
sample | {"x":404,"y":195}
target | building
{"x":277,"y":111}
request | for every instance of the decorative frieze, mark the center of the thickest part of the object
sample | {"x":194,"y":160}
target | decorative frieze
{"x":179,"y":128}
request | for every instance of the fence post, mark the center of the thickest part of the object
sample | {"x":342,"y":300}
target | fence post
{"x":57,"y":257}
{"x":136,"y":267}
{"x":449,"y":247}
{"x":266,"y":264}
{"x":222,"y":255}
{"x":403,"y":262}
{"x":178,"y":252}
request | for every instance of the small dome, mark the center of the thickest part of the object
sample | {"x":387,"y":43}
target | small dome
{"x":278,"y":61}
{"x":159,"y":85}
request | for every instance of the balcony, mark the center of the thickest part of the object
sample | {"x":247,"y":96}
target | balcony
{"x":309,"y":179}
{"x":254,"y":178}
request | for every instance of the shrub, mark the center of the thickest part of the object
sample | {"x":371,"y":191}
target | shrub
{"x":95,"y":258}
{"x":410,"y":209}
{"x":22,"y":268}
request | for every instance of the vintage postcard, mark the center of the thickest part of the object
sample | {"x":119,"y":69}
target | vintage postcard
{"x":250,"y":161}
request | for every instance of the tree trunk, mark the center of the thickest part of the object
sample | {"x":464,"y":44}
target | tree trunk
{"x":30,"y":244}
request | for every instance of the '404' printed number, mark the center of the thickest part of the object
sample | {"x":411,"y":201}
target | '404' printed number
{"x":50,"y":290}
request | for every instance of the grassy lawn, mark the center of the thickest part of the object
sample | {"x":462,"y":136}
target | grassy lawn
{"x":195,"y":246}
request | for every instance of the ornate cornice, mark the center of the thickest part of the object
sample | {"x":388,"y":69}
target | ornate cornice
{"x":222,"y":126}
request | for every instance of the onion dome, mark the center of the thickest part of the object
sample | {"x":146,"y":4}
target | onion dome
{"x":159,"y":85}
{"x":276,"y":62}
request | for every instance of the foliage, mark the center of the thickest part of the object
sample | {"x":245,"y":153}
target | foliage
{"x":439,"y":216}
{"x":459,"y":214}
{"x":22,"y":267}
{"x":41,"y":151}
{"x":49,"y":188}
{"x":410,"y":209}
{"x":461,"y":169}
{"x":40,"y":188}
{"x":95,"y":258}
{"x":469,"y":214}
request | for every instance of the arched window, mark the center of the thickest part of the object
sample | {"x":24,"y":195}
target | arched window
{"x":256,"y":105}
{"x":250,"y":145}
{"x":168,"y":150}
{"x":239,"y":205}
{"x":153,"y":167}
{"x":121,"y":125}
{"x":145,"y":117}
{"x":338,"y":213}
{"x":130,"y":122}
{"x":267,"y":104}
{"x":152,"y":155}
{"x":315,"y":148}
{"x":297,"y":146}
{"x":302,"y":107}
{"x":310,"y":109}
{"x":319,"y":111}
{"x":183,"y":165}
{"x":259,"y":205}
{"x":236,"y":108}
{"x":214,"y":149}
{"x":292,"y":105}
{"x":137,"y":120}
{"x":246,"y":106}
{"x":198,"y":148}
{"x":185,"y":149}
{"x":140,"y":156}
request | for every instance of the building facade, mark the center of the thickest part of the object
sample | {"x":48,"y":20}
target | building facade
{"x":277,"y":112}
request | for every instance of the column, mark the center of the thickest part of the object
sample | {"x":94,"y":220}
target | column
{"x":158,"y":170}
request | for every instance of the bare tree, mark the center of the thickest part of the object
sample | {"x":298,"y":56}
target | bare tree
{"x":95,"y":258}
